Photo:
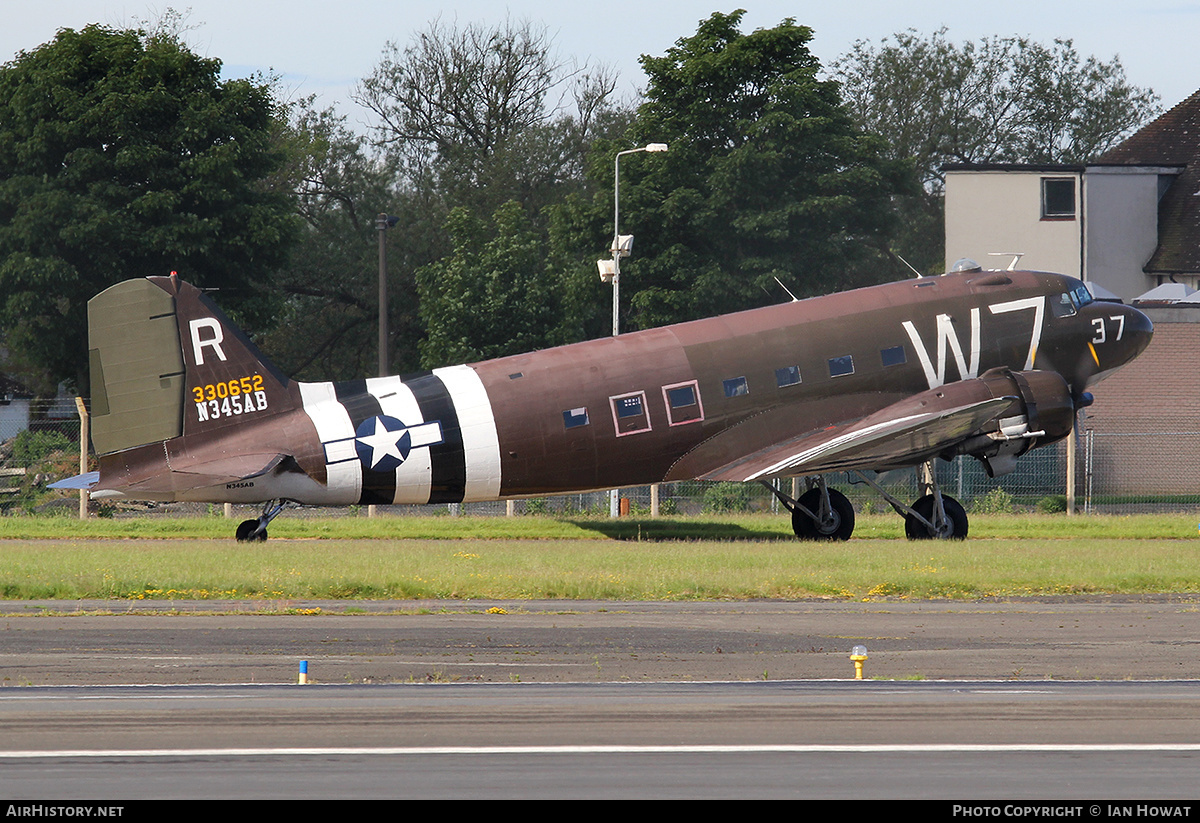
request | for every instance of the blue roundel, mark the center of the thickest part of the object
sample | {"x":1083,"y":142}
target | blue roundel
{"x":382,"y":443}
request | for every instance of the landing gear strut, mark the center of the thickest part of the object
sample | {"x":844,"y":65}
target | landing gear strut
{"x":255,"y":531}
{"x":821,"y":513}
{"x":934,"y":515}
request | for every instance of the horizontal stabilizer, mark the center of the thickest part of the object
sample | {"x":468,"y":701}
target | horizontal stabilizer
{"x":187,"y":476}
{"x":79,"y":481}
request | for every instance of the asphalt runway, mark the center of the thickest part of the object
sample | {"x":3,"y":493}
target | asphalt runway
{"x":1095,"y":699}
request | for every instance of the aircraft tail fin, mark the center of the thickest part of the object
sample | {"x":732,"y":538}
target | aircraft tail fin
{"x":166,"y":362}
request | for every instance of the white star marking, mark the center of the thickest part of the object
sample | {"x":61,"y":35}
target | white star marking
{"x":383,"y":443}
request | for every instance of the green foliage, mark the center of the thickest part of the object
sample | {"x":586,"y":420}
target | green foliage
{"x":490,"y":297}
{"x":122,"y":153}
{"x":721,"y":498}
{"x":996,"y":501}
{"x":766,"y":176}
{"x":1052,"y":504}
{"x":31,"y":446}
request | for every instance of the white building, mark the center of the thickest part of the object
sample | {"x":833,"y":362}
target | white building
{"x":1129,"y":221}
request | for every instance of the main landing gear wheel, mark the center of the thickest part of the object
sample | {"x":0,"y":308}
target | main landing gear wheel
{"x":834,"y":523}
{"x":952,"y":527}
{"x":248,"y":532}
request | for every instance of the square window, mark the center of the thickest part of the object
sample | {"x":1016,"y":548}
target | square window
{"x":787,"y":376}
{"x":683,"y":403}
{"x":841,"y":366}
{"x":682,"y":396}
{"x":736,"y":387}
{"x":893,"y":356}
{"x":1058,"y":197}
{"x":574,"y":418}
{"x":629,"y":413}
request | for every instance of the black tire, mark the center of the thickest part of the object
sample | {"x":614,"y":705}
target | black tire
{"x":841,"y":517}
{"x":956,"y":517}
{"x":245,"y":532}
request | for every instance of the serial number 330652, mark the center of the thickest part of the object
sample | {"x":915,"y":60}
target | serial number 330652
{"x":230,"y":397}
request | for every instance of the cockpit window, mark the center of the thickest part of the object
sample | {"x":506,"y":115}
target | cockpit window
{"x":1082,"y":295}
{"x":1067,"y":303}
{"x":1063,"y":305}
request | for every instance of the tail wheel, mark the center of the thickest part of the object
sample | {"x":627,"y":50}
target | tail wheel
{"x":245,"y":532}
{"x":837,"y":523}
{"x":954,"y":527}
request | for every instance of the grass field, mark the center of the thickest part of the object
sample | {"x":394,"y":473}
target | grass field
{"x":546,"y":558}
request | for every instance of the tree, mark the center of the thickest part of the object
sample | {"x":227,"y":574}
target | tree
{"x":478,"y":120}
{"x":1001,"y":100}
{"x":329,"y":310}
{"x":766,"y":177}
{"x":490,"y":297}
{"x":472,"y":113}
{"x":123,"y":154}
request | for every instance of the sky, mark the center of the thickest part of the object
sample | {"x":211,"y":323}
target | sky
{"x":324,"y":48}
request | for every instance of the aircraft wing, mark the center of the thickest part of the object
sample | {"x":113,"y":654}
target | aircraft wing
{"x":895,"y":437}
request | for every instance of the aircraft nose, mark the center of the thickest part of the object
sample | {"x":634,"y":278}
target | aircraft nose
{"x":1120,"y":334}
{"x":1138,"y":332}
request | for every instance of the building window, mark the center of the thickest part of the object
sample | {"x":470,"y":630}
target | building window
{"x":1058,"y":198}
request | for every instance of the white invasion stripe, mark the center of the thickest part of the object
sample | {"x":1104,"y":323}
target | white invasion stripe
{"x":413,"y":476}
{"x":481,"y":444}
{"x":798,"y":748}
{"x":333,"y":424}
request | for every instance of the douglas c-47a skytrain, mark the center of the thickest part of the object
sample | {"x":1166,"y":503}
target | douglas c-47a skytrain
{"x":985,"y":363}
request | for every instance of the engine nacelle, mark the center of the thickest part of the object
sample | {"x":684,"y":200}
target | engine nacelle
{"x":1044,"y":413}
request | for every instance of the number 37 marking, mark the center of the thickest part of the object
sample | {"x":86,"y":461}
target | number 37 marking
{"x":1101,"y":328}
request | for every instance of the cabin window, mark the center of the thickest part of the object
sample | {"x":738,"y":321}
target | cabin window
{"x":629,"y":413}
{"x":1058,"y":198}
{"x":574,"y":418}
{"x":787,"y":376}
{"x":841,"y":366}
{"x":893,"y":356}
{"x":683,"y":403}
{"x":630,"y":407}
{"x":736,"y":387}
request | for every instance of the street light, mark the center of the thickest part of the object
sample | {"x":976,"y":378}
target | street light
{"x":383,"y":222}
{"x":610,"y":270}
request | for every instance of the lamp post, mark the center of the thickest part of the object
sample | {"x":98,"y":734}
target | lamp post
{"x":621,"y":246}
{"x":610,"y":270}
{"x":382,"y":223}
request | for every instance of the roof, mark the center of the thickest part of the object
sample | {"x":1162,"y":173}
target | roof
{"x":1171,"y":139}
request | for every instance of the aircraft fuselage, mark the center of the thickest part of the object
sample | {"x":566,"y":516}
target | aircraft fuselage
{"x":643,"y":407}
